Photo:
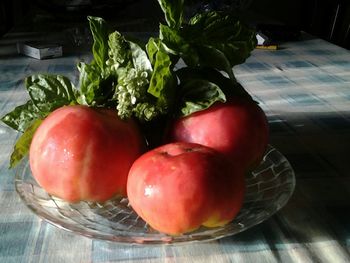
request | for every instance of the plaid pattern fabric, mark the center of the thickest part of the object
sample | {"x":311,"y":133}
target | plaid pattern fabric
{"x":304,"y":89}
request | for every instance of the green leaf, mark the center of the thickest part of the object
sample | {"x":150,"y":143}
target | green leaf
{"x":210,"y":36}
{"x":222,"y":32}
{"x":95,"y":90}
{"x":22,"y":116}
{"x":162,"y":81}
{"x":99,"y":30}
{"x":89,"y":79}
{"x":49,"y":92}
{"x":176,"y":44}
{"x":152,"y":48}
{"x":229,"y":87}
{"x":212,"y":57}
{"x":199,"y":94}
{"x":139,"y":58}
{"x":173,"y":11}
{"x":22,"y":145}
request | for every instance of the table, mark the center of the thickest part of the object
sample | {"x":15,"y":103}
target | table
{"x":304,"y":88}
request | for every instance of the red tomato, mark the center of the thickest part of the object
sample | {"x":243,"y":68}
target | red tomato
{"x":178,"y":187}
{"x":80,"y":153}
{"x":237,"y":128}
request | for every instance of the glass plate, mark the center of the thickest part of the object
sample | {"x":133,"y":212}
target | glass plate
{"x":269,"y":188}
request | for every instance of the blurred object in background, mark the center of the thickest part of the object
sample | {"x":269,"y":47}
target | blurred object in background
{"x":279,"y":33}
{"x":329,"y":20}
{"x":4,"y":18}
{"x":126,"y":15}
{"x":79,"y":36}
{"x":79,"y":9}
{"x":326,"y":19}
{"x":10,"y":13}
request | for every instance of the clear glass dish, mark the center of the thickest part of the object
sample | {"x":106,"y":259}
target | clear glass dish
{"x":269,"y":188}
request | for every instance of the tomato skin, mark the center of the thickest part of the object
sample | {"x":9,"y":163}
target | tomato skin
{"x":237,"y":128}
{"x":178,"y":187}
{"x":79,"y":153}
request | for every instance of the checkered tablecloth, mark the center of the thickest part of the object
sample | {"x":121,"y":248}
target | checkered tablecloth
{"x":304,"y":88}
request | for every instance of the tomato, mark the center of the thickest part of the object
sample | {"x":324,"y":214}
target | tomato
{"x":81,"y":153}
{"x":179,"y":187}
{"x":237,"y":128}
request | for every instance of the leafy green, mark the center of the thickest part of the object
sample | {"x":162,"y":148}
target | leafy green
{"x":22,"y":145}
{"x":139,"y":58}
{"x":176,"y":44}
{"x":96,"y":84}
{"x":209,"y":44}
{"x":22,"y":116}
{"x":49,"y":92}
{"x":212,"y":57}
{"x":223,"y":32}
{"x":199,"y":94}
{"x":162,"y":81}
{"x":133,"y":71}
{"x":152,"y":49}
{"x":202,"y":87}
{"x":95,"y":88}
{"x":100,"y":32}
{"x":230,"y":89}
{"x":145,"y":91}
{"x":173,"y":11}
{"x":89,"y":82}
{"x":211,"y":39}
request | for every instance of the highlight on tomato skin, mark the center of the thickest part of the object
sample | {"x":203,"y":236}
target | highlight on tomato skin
{"x":178,"y":187}
{"x":238,"y":129}
{"x":80,"y":153}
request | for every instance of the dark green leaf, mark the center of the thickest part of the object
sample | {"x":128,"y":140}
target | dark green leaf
{"x":173,"y":10}
{"x":95,"y":89}
{"x":22,"y":116}
{"x":229,"y":87}
{"x":162,"y":81}
{"x":216,"y":24}
{"x":222,"y":32}
{"x":99,"y":30}
{"x":49,"y":92}
{"x":212,"y":57}
{"x":153,"y":45}
{"x":178,"y":45}
{"x":236,"y":52}
{"x":22,"y":145}
{"x":199,"y":94}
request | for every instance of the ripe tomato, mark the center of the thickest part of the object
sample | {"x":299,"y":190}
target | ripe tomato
{"x":237,"y":128}
{"x":80,"y":153}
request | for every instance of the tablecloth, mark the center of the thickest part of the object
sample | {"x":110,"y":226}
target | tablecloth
{"x":304,"y":88}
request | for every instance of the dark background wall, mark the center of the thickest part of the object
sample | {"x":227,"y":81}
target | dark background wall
{"x":328,"y":19}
